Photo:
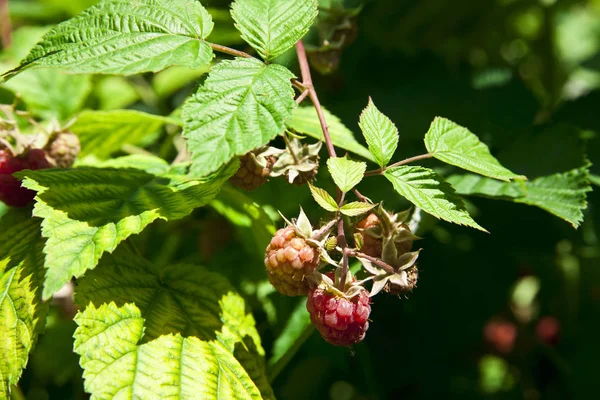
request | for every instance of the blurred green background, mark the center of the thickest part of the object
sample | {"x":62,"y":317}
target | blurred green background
{"x":514,"y":314}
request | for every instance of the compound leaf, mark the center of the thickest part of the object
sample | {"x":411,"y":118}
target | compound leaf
{"x":380,"y":133}
{"x":116,"y":364}
{"x":356,"y":208}
{"x":456,"y":145}
{"x":242,"y":105}
{"x":124,"y":37}
{"x":430,"y":192}
{"x":346,"y":173}
{"x":305,"y":120}
{"x":89,"y":211}
{"x":323,"y":198}
{"x":273,"y":26}
{"x":563,"y":194}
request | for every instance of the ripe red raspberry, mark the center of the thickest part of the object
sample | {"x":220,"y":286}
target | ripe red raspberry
{"x":547,"y":331}
{"x":251,"y":174}
{"x":289,"y":259}
{"x":11,"y":191}
{"x":63,"y":148}
{"x":501,"y":335}
{"x":372,"y":246}
{"x":340,"y":321}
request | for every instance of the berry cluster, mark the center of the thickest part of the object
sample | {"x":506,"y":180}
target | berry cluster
{"x":340,"y":311}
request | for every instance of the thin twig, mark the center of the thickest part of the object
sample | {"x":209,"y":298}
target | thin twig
{"x":387,"y":267}
{"x":360,"y":196}
{"x":312,"y":94}
{"x":399,"y":163}
{"x":302,"y":96}
{"x":228,"y":50}
{"x":318,"y":235}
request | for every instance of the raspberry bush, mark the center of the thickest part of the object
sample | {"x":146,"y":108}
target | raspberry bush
{"x":152,"y":153}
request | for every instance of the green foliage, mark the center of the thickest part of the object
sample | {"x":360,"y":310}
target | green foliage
{"x":431,"y":193}
{"x":89,"y":211}
{"x":456,"y":145}
{"x":273,"y":26}
{"x":563,"y":194}
{"x":103,"y":133}
{"x":305,"y":120}
{"x":242,"y":105}
{"x":120,"y":37}
{"x":21,"y":310}
{"x":346,"y":173}
{"x":107,"y":340}
{"x":380,"y":133}
{"x":323,"y":198}
{"x":356,"y":208}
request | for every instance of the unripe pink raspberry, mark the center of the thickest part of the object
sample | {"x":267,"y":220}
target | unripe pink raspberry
{"x":289,"y":259}
{"x":63,"y":148}
{"x":339,"y":320}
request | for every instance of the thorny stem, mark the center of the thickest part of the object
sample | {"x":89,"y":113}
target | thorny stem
{"x":312,"y":94}
{"x":387,"y":267}
{"x":228,"y":50}
{"x":399,"y":163}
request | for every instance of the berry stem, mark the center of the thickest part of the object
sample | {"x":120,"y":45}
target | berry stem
{"x":302,"y":96}
{"x":387,"y":267}
{"x":307,"y":83}
{"x":318,"y":235}
{"x":289,"y":147}
{"x":399,"y":163}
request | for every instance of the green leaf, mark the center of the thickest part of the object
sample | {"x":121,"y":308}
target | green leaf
{"x":273,"y":26}
{"x":346,"y":173}
{"x":323,"y":198}
{"x":49,"y":93}
{"x":563,"y":195}
{"x":471,"y":184}
{"x":297,"y":329}
{"x":305,"y":120}
{"x":179,"y":299}
{"x":145,"y":162}
{"x":431,"y":193}
{"x":124,"y":37}
{"x":254,"y":225}
{"x":457,"y":146}
{"x":89,"y":211}
{"x":380,"y":133}
{"x":356,"y":208}
{"x":116,"y":364}
{"x":242,"y":105}
{"x":21,"y":278}
{"x":103,"y":133}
